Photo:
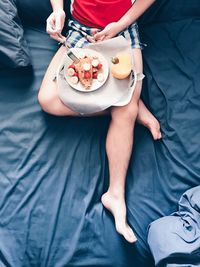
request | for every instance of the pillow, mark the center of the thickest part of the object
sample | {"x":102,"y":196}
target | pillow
{"x":13,"y":47}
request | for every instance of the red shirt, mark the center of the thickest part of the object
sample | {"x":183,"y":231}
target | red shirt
{"x":99,"y":13}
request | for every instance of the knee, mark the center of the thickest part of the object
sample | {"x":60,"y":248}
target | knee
{"x":42,"y":99}
{"x":45,"y":101}
{"x":127,"y":114}
{"x":130,"y":112}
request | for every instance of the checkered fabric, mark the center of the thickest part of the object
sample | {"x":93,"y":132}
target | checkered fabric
{"x":77,"y":35}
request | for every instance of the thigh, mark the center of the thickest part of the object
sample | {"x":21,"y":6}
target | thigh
{"x":48,"y":93}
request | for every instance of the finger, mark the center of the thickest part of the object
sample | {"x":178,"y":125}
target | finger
{"x":101,"y":39}
{"x":90,"y":39}
{"x":49,"y":30}
{"x":54,"y":24}
{"x":52,"y":31}
{"x":94,"y":31}
{"x":62,"y":37}
{"x":50,"y":26}
{"x":56,"y":37}
{"x":99,"y":35}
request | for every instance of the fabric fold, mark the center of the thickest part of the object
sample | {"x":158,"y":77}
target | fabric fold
{"x":178,"y":236}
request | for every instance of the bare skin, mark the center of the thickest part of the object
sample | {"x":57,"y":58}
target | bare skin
{"x":119,"y":146}
{"x":119,"y":140}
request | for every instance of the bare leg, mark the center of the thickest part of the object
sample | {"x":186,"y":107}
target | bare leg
{"x":119,"y":139}
{"x":119,"y":148}
{"x":146,"y":118}
{"x":48,"y":95}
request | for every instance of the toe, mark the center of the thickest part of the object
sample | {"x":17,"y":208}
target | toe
{"x":159,"y":135}
{"x":154,"y":134}
{"x":132,"y":236}
{"x":127,"y":233}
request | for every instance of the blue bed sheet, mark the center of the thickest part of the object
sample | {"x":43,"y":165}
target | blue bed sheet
{"x":53,"y":170}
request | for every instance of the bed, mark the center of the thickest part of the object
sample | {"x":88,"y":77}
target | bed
{"x":54,"y":170}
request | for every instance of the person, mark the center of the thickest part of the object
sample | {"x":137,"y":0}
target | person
{"x":101,"y":20}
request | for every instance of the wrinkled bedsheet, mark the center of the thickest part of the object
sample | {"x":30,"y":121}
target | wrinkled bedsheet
{"x":53,"y":171}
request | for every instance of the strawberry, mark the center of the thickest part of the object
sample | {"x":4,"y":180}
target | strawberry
{"x":71,"y":66}
{"x":115,"y":60}
{"x":94,"y":69}
{"x":99,"y":66}
{"x":76,"y":74}
{"x":87,"y":75}
{"x":95,"y":74}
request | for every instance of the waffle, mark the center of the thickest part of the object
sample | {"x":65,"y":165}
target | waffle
{"x":85,"y":81}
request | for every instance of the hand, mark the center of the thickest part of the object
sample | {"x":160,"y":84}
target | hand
{"x":55,"y":24}
{"x":110,"y":31}
{"x":91,"y":38}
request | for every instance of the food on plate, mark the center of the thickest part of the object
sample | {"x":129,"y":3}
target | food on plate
{"x":99,"y":66}
{"x":84,"y":70}
{"x":74,"y":79}
{"x":100,"y":77}
{"x":87,"y":69}
{"x":70,"y":71}
{"x":94,"y":75}
{"x":95,"y":62}
{"x":121,"y":65}
{"x":86,"y":66}
{"x":81,"y":54}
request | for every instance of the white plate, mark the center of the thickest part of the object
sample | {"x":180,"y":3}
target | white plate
{"x":95,"y":83}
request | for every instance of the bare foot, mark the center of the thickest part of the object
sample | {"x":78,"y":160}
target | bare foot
{"x":117,"y":207}
{"x":146,"y":118}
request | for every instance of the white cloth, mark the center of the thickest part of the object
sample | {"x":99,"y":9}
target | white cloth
{"x":114,"y":92}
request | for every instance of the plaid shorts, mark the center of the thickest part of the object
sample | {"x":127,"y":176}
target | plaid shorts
{"x":77,"y":35}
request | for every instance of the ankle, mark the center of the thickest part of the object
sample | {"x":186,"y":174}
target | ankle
{"x":116,"y":192}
